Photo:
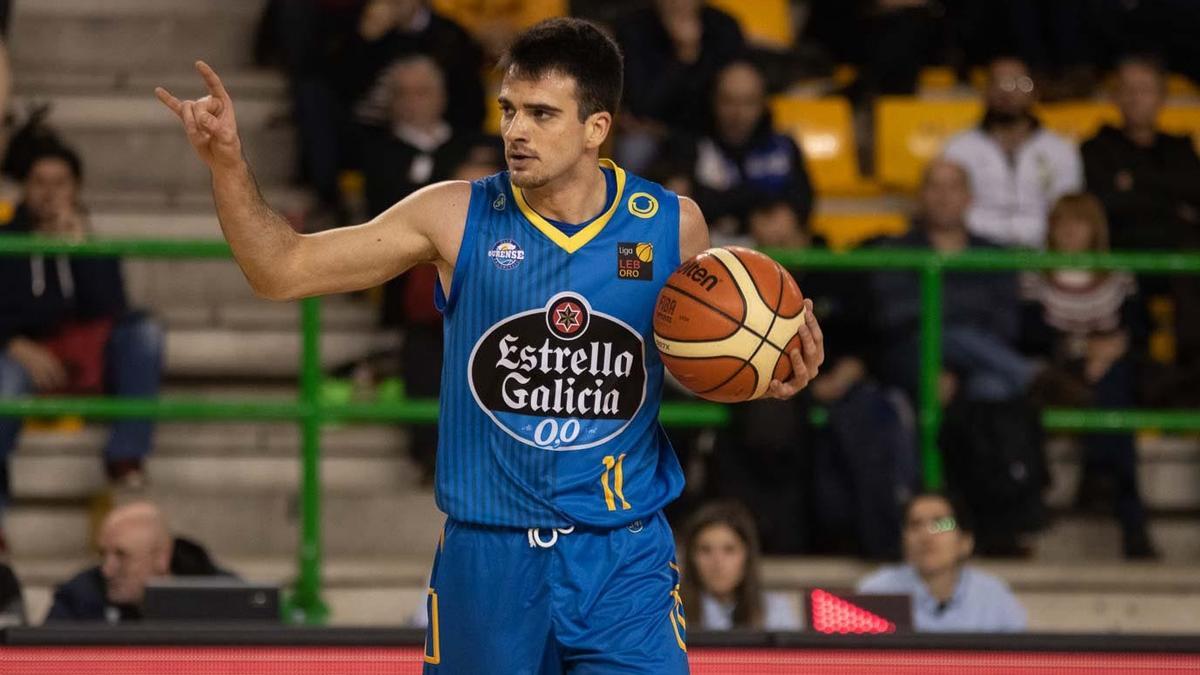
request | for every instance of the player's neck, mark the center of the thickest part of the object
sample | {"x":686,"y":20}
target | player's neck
{"x":575,"y":197}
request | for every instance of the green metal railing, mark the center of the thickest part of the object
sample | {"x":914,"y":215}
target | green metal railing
{"x":306,"y":605}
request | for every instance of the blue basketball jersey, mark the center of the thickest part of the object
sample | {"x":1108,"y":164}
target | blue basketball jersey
{"x":551,"y":382}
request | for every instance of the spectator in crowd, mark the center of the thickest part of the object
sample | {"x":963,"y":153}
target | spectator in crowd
{"x":335,"y":52}
{"x":948,"y":595}
{"x":981,"y":314}
{"x":1017,"y":168}
{"x":135,"y":547}
{"x":721,"y":581}
{"x":390,"y":29}
{"x":1148,"y":180}
{"x":828,"y":487}
{"x":418,"y":146}
{"x":738,"y":160}
{"x":12,"y":603}
{"x":65,"y":324}
{"x":672,"y":53}
{"x":1091,"y":322}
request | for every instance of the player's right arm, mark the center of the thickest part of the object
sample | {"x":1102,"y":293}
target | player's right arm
{"x":281,"y":264}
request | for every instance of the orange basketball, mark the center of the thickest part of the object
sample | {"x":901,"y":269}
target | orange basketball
{"x":725,"y":322}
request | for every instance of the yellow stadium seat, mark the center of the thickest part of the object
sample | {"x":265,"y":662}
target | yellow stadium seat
{"x":937,"y":78}
{"x":824,"y":129}
{"x":1182,"y":119}
{"x":846,"y":230}
{"x":1077,"y":120}
{"x":764,"y":22}
{"x":1181,"y":85}
{"x":481,"y":16}
{"x":910,"y":131}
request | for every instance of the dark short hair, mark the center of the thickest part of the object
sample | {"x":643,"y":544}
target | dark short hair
{"x":54,"y":150}
{"x":575,"y":48}
{"x":962,"y":514}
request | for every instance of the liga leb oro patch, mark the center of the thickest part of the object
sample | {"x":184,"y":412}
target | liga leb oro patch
{"x":635,"y":260}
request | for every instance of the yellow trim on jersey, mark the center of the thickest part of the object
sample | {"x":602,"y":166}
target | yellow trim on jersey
{"x":579,"y":239}
{"x":436,"y":657}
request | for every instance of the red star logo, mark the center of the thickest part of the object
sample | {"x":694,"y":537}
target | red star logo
{"x":566,"y":318}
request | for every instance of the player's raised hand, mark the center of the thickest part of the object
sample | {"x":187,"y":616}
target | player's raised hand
{"x":806,"y":361}
{"x":209,"y":121}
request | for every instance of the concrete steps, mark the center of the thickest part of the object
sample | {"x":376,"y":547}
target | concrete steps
{"x":245,"y":523}
{"x":1168,"y":471}
{"x":89,"y":60}
{"x":85,"y":35}
{"x":120,"y":135}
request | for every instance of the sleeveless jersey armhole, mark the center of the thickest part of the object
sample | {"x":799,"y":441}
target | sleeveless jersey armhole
{"x":466,"y":249}
{"x":676,"y":258}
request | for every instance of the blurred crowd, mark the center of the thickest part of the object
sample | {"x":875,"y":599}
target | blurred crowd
{"x":388,"y":96}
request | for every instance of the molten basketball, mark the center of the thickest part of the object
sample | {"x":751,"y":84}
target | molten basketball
{"x":725,"y":322}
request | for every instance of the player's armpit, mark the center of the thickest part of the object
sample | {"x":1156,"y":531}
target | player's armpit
{"x":693,"y":230}
{"x":426,"y":226}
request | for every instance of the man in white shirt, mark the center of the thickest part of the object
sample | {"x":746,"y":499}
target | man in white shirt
{"x":949,"y":596}
{"x":1017,"y":168}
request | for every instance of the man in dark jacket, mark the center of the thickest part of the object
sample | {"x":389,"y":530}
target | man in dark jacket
{"x":1148,"y":180}
{"x":980,"y":310}
{"x":739,"y":161}
{"x":64,"y":322}
{"x":135,"y":546}
{"x":673,"y":51}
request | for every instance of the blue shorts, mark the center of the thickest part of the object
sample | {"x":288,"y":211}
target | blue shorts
{"x":546,"y":602}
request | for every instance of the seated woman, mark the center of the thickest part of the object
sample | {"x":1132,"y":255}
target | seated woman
{"x":1091,"y":323}
{"x":721,"y":582}
{"x":948,"y":595}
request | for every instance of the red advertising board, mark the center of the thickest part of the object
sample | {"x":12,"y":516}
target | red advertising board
{"x":705,"y":661}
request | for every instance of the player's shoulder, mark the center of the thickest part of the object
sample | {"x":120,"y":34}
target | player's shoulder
{"x":455,"y":197}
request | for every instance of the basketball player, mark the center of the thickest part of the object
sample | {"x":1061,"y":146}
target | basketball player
{"x":552,"y":468}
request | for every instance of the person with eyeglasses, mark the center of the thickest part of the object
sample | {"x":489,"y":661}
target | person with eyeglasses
{"x":1018,"y":168}
{"x":948,"y":595}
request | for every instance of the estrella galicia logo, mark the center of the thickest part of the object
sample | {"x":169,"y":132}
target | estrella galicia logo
{"x":560,"y":377}
{"x":507,"y":254}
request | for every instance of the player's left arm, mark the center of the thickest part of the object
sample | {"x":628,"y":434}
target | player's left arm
{"x":807,"y":360}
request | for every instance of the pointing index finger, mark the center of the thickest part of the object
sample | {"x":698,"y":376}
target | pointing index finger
{"x":212,"y":82}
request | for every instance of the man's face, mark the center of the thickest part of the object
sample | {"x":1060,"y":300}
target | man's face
{"x":131,"y":555}
{"x":543,"y":137}
{"x":1010,"y":88}
{"x":739,"y":103}
{"x":50,"y":189}
{"x":933,"y":544}
{"x":418,"y":96}
{"x":1140,"y":94}
{"x":720,"y":558}
{"x":945,"y":196}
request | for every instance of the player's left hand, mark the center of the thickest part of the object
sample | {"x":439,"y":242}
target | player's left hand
{"x":806,"y":361}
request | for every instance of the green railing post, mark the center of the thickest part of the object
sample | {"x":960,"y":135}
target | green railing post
{"x":306,"y":604}
{"x":930,"y":414}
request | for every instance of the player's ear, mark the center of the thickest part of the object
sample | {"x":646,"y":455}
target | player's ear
{"x":597,"y":126}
